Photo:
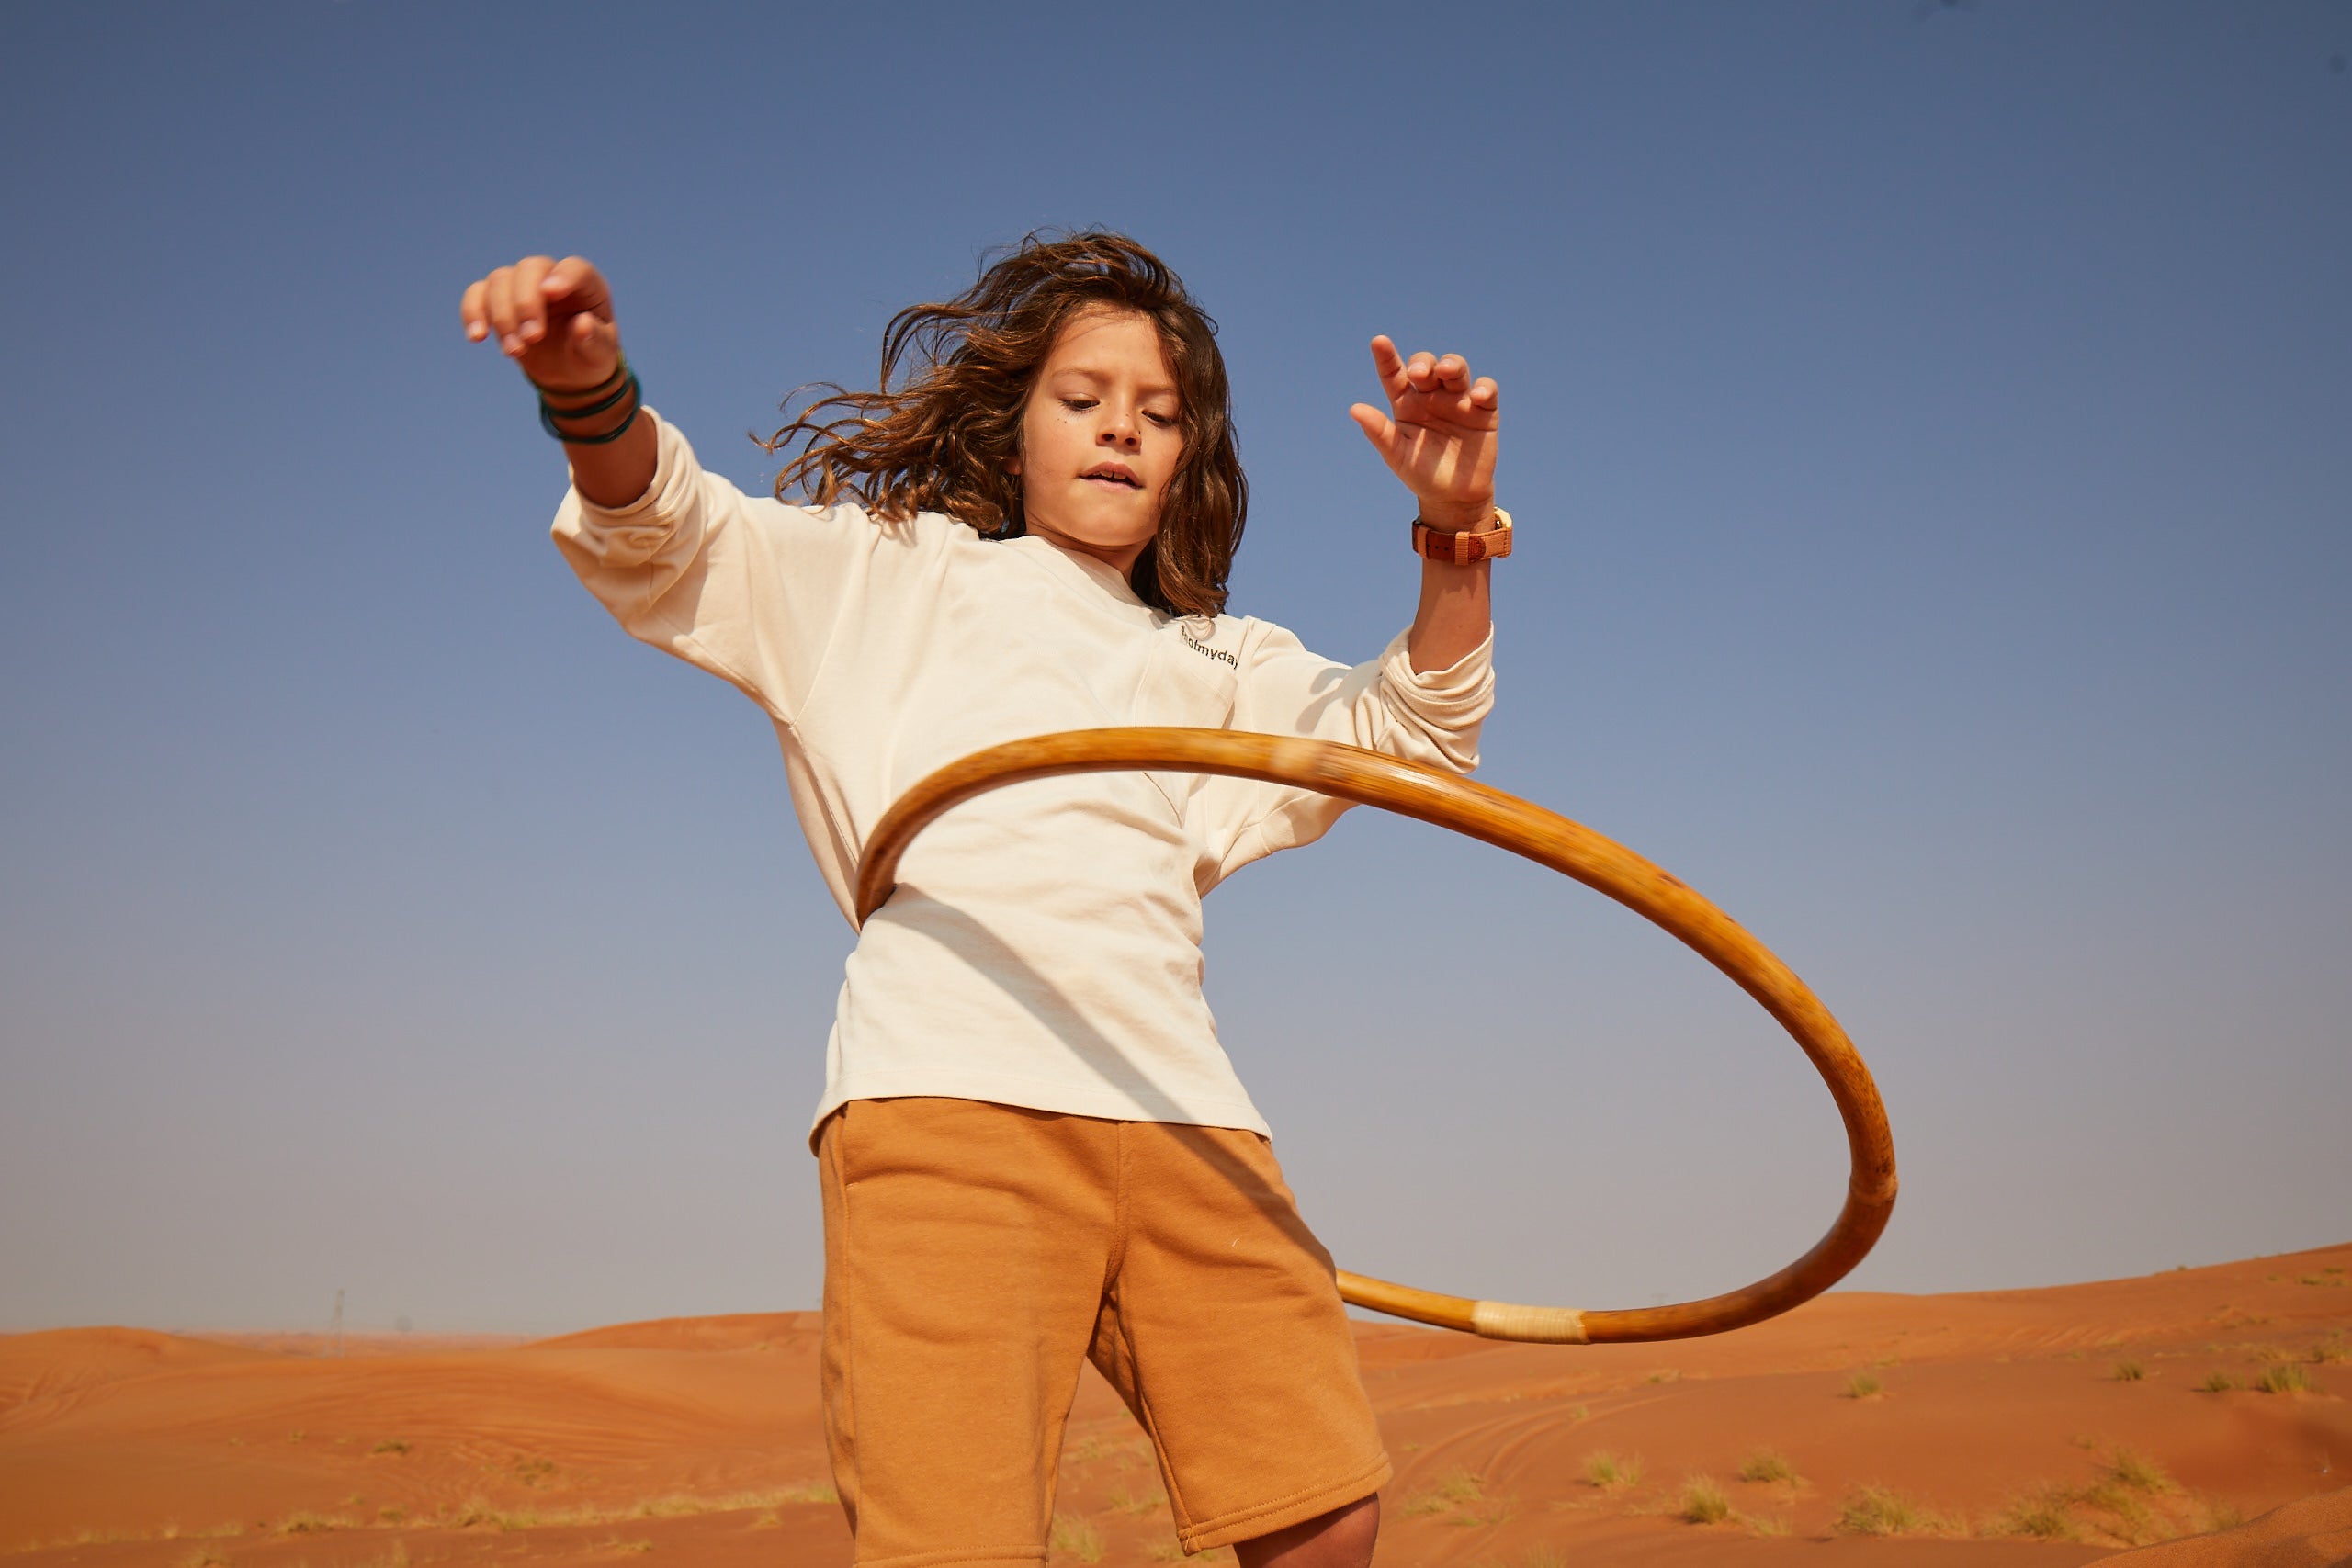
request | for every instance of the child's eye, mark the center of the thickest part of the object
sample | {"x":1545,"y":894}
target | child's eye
{"x":1078,"y":405}
{"x":1161,"y":420}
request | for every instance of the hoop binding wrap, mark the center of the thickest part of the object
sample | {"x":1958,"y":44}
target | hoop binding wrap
{"x":1540,"y":1325}
{"x":1371,"y":778}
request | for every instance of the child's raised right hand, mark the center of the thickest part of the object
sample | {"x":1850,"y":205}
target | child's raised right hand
{"x":554,"y":319}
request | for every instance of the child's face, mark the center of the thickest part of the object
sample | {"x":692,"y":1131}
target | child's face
{"x":1099,"y":437}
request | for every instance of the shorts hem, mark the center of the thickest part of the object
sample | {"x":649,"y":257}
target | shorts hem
{"x":1264,"y":1519}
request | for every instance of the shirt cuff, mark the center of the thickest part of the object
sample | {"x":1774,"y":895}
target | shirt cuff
{"x":1467,"y":682}
{"x":673,"y":464}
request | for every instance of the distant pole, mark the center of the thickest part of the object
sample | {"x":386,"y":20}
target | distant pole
{"x":334,"y":1331}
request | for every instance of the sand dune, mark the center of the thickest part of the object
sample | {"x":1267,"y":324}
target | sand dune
{"x":736,"y":1331}
{"x":1986,"y":1429}
{"x":39,"y":1368}
{"x":2315,"y":1532}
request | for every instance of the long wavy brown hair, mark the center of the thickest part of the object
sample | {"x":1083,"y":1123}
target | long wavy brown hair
{"x":942,"y":441}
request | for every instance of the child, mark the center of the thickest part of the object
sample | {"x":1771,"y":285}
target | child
{"x":1032,"y":1149}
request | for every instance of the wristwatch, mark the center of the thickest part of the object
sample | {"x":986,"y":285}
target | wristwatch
{"x":1464,"y":548}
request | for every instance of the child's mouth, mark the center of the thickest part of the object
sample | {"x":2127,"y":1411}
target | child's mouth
{"x":1119,"y":477}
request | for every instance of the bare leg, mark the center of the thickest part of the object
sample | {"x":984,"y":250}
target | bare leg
{"x":1341,"y":1539}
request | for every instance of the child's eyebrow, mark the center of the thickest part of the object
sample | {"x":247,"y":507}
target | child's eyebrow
{"x":1097,"y":378}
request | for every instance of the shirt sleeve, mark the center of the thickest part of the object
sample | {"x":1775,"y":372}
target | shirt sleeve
{"x":748,"y":589}
{"x":1384,"y":705}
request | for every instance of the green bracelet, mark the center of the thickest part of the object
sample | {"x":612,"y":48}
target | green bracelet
{"x":629,"y":387}
{"x":604,"y":440}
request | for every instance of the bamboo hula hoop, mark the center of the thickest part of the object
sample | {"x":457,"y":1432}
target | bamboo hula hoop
{"x":1369,"y":778}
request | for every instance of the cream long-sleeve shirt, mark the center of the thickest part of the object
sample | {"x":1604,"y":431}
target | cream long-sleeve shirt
{"x":1044,"y":946}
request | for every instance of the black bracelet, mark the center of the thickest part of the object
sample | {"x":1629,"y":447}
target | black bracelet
{"x":629,"y":388}
{"x":604,"y":440}
{"x":617,"y":384}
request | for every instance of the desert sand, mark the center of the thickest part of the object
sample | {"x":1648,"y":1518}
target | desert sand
{"x":2199,"y":1415}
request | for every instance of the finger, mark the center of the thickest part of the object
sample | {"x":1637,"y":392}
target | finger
{"x":498,"y":302}
{"x":1453,"y":372}
{"x":1389,"y":367}
{"x":471,"y":311}
{"x":530,"y":305}
{"x":596,"y":343}
{"x":1486,"y":394}
{"x":1377,"y":427}
{"x":1421,"y":371}
{"x":574,"y":284}
{"x":559,"y":279}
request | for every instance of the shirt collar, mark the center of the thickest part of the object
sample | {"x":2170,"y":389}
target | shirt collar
{"x":1091,"y":578}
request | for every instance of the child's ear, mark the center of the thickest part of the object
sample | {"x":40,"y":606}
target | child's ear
{"x":1013,"y":465}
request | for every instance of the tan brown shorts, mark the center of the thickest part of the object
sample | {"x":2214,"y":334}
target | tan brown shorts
{"x":975,"y":1253}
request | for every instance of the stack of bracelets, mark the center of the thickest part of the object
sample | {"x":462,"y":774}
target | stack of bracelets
{"x":603,"y":398}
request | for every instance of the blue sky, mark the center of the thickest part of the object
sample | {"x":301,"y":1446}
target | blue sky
{"x":1925,"y":425}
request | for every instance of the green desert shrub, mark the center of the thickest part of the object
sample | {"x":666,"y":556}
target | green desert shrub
{"x":1875,"y":1510}
{"x":2139,"y":1472}
{"x":2042,"y":1515}
{"x":2284,"y":1378}
{"x":1074,"y":1537}
{"x":2129,"y":1517}
{"x":1703,"y":1502}
{"x":1457,"y":1489}
{"x":1608,"y":1470}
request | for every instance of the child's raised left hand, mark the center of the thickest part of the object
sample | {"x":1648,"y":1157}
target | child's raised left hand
{"x":1439,"y":435}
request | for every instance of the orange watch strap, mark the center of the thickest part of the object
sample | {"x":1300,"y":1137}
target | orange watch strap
{"x":1465,"y":548}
